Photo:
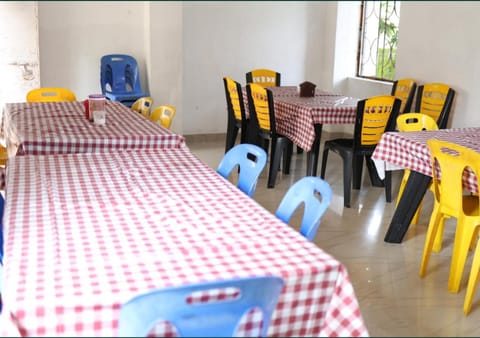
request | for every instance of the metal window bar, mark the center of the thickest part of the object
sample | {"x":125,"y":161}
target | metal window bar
{"x":378,"y":38}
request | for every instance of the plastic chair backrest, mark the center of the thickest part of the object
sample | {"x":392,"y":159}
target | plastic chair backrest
{"x":119,"y":74}
{"x":375,"y":115}
{"x":264,"y":77}
{"x":449,"y":160}
{"x":233,"y":93}
{"x":260,"y":101}
{"x":217,"y":318}
{"x":164,"y":115}
{"x":3,"y":155}
{"x":415,"y":122}
{"x":250,"y":159}
{"x":315,"y":194}
{"x":435,"y":100}
{"x":50,"y":94}
{"x":404,"y":89}
{"x":143,"y":106}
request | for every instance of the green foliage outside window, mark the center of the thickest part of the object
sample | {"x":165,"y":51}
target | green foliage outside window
{"x":387,"y":57}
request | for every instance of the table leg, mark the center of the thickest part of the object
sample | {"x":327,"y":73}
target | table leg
{"x":312,"y":155}
{"x":413,"y":193}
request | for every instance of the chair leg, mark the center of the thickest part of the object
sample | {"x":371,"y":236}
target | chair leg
{"x":347,"y":178}
{"x":472,"y":281}
{"x":275,"y":157}
{"x":244,"y":131}
{"x":287,"y":156}
{"x":324,"y":162}
{"x":432,"y":229}
{"x":372,"y":171}
{"x":232,"y":132}
{"x":388,"y":186}
{"x":357,"y":168}
{"x":461,"y":245}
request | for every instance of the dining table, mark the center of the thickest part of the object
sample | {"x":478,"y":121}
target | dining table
{"x":409,"y":150}
{"x":85,"y":232}
{"x":41,"y":128}
{"x":301,"y":118}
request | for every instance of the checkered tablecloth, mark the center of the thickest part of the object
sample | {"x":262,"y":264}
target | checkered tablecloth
{"x":409,"y":150}
{"x":296,"y":116}
{"x":61,"y":127}
{"x":86,"y":232}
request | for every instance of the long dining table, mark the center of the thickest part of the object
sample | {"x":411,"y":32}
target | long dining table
{"x":41,"y":128}
{"x":408,"y":150}
{"x":301,"y":118}
{"x":86,"y":232}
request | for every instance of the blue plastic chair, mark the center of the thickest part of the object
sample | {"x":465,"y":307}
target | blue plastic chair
{"x":203,"y":319}
{"x":306,"y":191}
{"x":250,"y":159}
{"x":119,"y":79}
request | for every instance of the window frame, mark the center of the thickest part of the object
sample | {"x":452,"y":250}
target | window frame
{"x":361,"y":38}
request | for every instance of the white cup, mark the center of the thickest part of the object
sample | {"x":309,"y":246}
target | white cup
{"x":99,"y":117}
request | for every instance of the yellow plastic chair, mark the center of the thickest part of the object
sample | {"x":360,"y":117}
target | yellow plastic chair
{"x":264,"y":77}
{"x":143,"y":105}
{"x":404,"y":89}
{"x":50,"y":94}
{"x":163,"y":115}
{"x":449,"y":160}
{"x":435,"y":100}
{"x":414,"y":122}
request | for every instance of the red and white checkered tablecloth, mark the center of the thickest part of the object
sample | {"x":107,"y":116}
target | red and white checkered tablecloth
{"x":409,"y":150}
{"x":86,"y":232}
{"x":296,"y":116}
{"x":61,"y":127}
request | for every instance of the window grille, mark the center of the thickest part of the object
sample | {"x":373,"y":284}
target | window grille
{"x":377,"y":54}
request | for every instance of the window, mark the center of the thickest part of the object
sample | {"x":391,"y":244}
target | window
{"x":378,"y":39}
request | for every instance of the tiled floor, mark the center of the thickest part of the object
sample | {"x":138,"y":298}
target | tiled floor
{"x":394,"y":300}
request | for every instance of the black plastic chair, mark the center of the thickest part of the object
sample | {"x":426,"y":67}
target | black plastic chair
{"x":236,"y":113}
{"x":374,"y":116}
{"x":262,"y":130}
{"x":119,"y":79}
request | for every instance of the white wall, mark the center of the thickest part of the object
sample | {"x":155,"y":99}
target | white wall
{"x":165,"y":57}
{"x":75,"y":35}
{"x":185,"y":48}
{"x":438,"y":42}
{"x":230,"y":38}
